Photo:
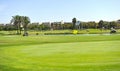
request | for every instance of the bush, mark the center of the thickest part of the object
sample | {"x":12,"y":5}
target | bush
{"x":25,"y":34}
{"x":37,"y":33}
{"x":113,"y":31}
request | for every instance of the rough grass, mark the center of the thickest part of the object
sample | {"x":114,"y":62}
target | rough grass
{"x":84,"y":31}
{"x":60,"y":53}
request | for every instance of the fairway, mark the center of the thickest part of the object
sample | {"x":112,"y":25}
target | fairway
{"x":60,"y":53}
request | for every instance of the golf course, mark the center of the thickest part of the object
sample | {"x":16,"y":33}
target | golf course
{"x":60,"y":53}
{"x":59,"y":35}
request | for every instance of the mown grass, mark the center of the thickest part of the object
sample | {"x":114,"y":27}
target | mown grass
{"x":60,"y":53}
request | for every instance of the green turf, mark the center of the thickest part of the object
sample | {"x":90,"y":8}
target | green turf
{"x":60,"y":53}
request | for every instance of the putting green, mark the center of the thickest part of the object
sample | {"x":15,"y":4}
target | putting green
{"x":66,"y":56}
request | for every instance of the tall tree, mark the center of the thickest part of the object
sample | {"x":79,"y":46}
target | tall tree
{"x":19,"y":21}
{"x":100,"y":24}
{"x":25,"y":22}
{"x":16,"y":20}
{"x":74,"y":23}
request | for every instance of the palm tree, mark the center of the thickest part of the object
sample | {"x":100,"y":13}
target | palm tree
{"x":19,"y":21}
{"x":100,"y":24}
{"x":74,"y":23}
{"x":16,"y":20}
{"x":25,"y":22}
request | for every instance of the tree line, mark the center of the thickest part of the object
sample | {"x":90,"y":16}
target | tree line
{"x":20,"y":23}
{"x":96,"y":25}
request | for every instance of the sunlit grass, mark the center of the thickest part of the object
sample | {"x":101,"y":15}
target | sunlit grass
{"x":60,"y":53}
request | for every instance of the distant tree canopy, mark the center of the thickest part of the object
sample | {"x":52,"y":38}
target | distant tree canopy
{"x":20,"y":23}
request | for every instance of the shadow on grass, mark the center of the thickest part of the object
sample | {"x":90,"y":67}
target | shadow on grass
{"x":8,"y":68}
{"x":114,"y":67}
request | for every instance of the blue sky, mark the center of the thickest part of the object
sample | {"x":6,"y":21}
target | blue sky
{"x":57,"y":10}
